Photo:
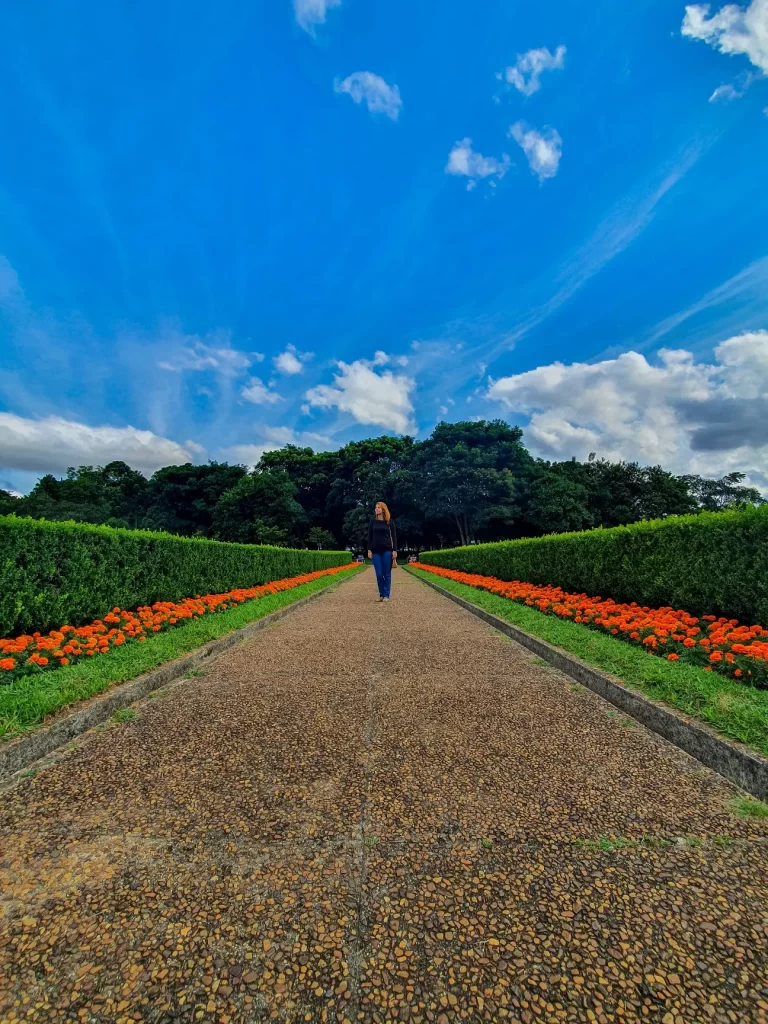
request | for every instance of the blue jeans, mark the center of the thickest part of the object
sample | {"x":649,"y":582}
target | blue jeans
{"x":382,"y":563}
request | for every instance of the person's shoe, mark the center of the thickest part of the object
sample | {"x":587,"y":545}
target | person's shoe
{"x":385,"y":599}
{"x":380,"y":599}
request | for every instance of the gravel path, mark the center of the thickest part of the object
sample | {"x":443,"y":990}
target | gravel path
{"x":378,"y":813}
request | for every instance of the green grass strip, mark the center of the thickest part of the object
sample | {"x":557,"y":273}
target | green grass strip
{"x":29,"y":700}
{"x":736,"y":710}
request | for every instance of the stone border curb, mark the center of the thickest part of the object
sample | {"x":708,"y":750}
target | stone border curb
{"x":747,"y":769}
{"x":25,"y":750}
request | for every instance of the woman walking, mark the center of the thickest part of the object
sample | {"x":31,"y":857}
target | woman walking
{"x":382,"y":548}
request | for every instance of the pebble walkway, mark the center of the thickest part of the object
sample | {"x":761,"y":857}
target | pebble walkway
{"x":380,"y":813}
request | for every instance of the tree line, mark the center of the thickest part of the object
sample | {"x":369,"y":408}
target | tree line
{"x":467,"y":482}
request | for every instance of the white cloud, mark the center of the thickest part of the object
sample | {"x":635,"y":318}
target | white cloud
{"x":543,"y":149}
{"x":53,"y":444}
{"x":375,"y":398}
{"x":290,"y":361}
{"x":380,"y":98}
{"x":280,"y":435}
{"x":257,"y":392}
{"x":200,"y":355}
{"x":732,"y":90}
{"x":700,"y":417}
{"x":310,"y":13}
{"x":525,"y":74}
{"x":247,"y":454}
{"x":463,"y":161}
{"x":734,"y":30}
{"x":287,"y":435}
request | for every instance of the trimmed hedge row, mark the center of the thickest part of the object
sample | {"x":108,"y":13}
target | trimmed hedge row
{"x":53,"y":574}
{"x":712,"y":563}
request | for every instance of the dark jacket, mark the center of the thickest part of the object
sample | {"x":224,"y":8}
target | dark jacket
{"x":382,"y":536}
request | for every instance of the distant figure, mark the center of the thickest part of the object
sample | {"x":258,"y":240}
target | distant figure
{"x":382,"y":548}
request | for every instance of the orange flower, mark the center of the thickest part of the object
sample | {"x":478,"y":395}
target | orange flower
{"x":655,"y":628}
{"x":118,"y":626}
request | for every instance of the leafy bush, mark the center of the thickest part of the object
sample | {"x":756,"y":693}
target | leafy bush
{"x":713,"y":563}
{"x":57,"y":573}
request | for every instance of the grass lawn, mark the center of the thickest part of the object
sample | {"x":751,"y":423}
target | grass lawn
{"x":27,"y":701}
{"x":734,"y":709}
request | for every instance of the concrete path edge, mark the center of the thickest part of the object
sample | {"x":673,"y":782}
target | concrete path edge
{"x":740,"y":765}
{"x":25,"y":750}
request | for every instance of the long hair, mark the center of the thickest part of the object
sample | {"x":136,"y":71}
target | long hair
{"x":387,"y":515}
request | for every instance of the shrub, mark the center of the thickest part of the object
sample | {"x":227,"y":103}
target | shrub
{"x":713,"y":563}
{"x":57,"y":573}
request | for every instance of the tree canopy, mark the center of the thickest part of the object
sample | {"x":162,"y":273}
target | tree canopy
{"x":466,"y":482}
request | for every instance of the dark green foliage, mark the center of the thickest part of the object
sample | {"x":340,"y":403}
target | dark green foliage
{"x":313,"y":474}
{"x":466,"y":482}
{"x":602,"y":493}
{"x":466,"y":473}
{"x":321,"y":539}
{"x":182,"y":499}
{"x":711,"y":563}
{"x":54,"y":574}
{"x":556,"y":503}
{"x":717,"y":495}
{"x":8,"y":503}
{"x":111,"y":494}
{"x":260,"y":509}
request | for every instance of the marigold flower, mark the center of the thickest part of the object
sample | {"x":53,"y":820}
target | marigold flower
{"x":653,"y":627}
{"x":116,"y":627}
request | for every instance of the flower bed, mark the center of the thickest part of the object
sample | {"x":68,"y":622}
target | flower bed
{"x":25,"y":655}
{"x":714,"y":644}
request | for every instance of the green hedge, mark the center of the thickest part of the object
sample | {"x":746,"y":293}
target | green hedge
{"x":52,"y":574}
{"x":712,"y":563}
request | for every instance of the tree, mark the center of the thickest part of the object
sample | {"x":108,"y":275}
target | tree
{"x":368,"y":471}
{"x":558,"y":505}
{"x":79,"y":496}
{"x":321,"y":539}
{"x":182,"y":499}
{"x":111,"y":494}
{"x":465,"y":475}
{"x":8,"y":503}
{"x":624,"y":492}
{"x":313,"y":474}
{"x":356,"y":528}
{"x":718,"y":495}
{"x":124,"y":489}
{"x":260,"y":509}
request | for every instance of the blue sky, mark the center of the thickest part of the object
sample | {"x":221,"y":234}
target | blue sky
{"x":223,"y":227}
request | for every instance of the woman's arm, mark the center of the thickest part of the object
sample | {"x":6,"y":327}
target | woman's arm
{"x":393,"y":530}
